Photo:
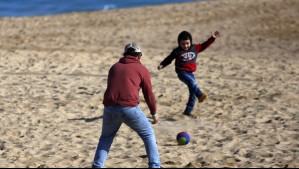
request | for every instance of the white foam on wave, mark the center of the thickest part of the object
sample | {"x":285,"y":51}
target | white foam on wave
{"x":109,"y":6}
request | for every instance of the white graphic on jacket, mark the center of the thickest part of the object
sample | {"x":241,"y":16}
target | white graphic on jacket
{"x":188,"y":56}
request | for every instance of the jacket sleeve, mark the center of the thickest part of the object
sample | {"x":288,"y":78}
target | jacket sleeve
{"x":147,"y":91}
{"x":205,"y":45}
{"x":168,"y":59}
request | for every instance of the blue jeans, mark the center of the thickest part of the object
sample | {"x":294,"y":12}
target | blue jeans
{"x":194,"y":91}
{"x":133,"y":117}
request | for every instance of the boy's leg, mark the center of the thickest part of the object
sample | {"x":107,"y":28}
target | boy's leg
{"x":194,"y":91}
{"x":111,"y":125}
{"x":136,"y":120}
{"x":190,"y":103}
{"x":202,"y":97}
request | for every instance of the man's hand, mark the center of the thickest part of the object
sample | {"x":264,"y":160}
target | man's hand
{"x":154,"y":119}
{"x":215,"y":34}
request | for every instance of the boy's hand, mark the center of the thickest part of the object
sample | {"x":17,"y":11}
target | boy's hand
{"x":215,"y":34}
{"x":160,"y":67}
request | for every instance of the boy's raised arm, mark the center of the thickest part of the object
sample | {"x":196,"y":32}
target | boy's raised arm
{"x":215,"y":34}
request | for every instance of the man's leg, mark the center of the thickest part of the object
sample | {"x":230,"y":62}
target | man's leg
{"x":135,"y":119}
{"x":111,"y":125}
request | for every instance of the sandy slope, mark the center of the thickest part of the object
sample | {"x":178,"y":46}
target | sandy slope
{"x":53,"y":75}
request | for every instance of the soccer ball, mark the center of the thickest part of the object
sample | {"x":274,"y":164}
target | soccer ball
{"x":183,"y":138}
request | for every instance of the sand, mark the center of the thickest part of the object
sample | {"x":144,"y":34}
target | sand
{"x":53,"y":74}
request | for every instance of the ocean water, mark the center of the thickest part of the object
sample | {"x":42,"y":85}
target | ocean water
{"x":22,"y":8}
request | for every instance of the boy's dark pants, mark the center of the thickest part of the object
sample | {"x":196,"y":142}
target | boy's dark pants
{"x":194,"y":91}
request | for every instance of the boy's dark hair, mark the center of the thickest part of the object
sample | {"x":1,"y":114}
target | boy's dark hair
{"x":131,"y":52}
{"x":184,"y":36}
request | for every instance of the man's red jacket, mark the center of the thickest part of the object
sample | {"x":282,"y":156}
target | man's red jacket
{"x":125,"y":80}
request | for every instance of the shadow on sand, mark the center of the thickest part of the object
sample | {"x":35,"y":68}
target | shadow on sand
{"x":88,"y":120}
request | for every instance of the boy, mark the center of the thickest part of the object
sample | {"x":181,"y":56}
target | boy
{"x":185,"y":56}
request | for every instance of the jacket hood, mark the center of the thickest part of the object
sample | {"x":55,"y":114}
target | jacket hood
{"x":184,"y":35}
{"x":129,"y":59}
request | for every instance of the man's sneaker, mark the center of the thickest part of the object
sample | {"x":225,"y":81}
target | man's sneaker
{"x":202,"y":97}
{"x":187,"y":113}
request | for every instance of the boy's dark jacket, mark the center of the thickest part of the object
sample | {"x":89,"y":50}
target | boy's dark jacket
{"x":186,"y":60}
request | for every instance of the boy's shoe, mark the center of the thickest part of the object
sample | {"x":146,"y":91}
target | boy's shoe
{"x":187,"y":113}
{"x":202,"y":97}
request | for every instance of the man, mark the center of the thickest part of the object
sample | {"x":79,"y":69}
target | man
{"x":121,"y":102}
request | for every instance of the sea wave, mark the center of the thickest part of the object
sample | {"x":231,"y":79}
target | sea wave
{"x":19,"y":8}
{"x":109,"y":7}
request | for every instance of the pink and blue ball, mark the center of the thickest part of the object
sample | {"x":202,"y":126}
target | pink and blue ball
{"x":183,"y":138}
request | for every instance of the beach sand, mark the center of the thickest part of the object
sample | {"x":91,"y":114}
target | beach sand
{"x":53,"y":74}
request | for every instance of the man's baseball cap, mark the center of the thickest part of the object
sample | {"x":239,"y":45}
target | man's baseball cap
{"x":132,"y":47}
